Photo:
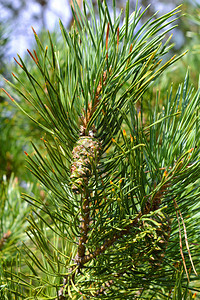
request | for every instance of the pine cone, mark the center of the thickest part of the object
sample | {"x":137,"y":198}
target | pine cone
{"x":86,"y":150}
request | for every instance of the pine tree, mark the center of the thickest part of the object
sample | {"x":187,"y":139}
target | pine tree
{"x":120,"y":219}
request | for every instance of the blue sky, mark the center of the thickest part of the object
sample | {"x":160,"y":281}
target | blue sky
{"x":21,"y":33}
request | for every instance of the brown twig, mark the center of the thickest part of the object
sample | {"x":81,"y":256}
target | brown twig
{"x":111,"y":241}
{"x":91,"y":108}
{"x":150,"y":206}
{"x":81,"y":259}
{"x":84,"y":230}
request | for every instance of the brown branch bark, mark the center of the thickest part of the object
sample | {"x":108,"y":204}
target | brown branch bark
{"x":110,"y":242}
{"x":84,"y":231}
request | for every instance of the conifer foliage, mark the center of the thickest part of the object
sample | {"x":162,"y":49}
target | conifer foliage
{"x":122,"y":181}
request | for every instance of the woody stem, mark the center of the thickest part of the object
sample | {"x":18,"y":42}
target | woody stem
{"x":84,"y":229}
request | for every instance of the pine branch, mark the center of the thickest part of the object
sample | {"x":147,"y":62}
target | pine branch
{"x":81,"y":258}
{"x":110,"y":172}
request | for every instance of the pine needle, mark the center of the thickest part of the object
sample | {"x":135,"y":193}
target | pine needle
{"x":186,"y":239}
{"x":181,"y":247}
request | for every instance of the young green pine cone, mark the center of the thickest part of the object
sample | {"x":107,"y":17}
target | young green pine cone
{"x":86,"y":151}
